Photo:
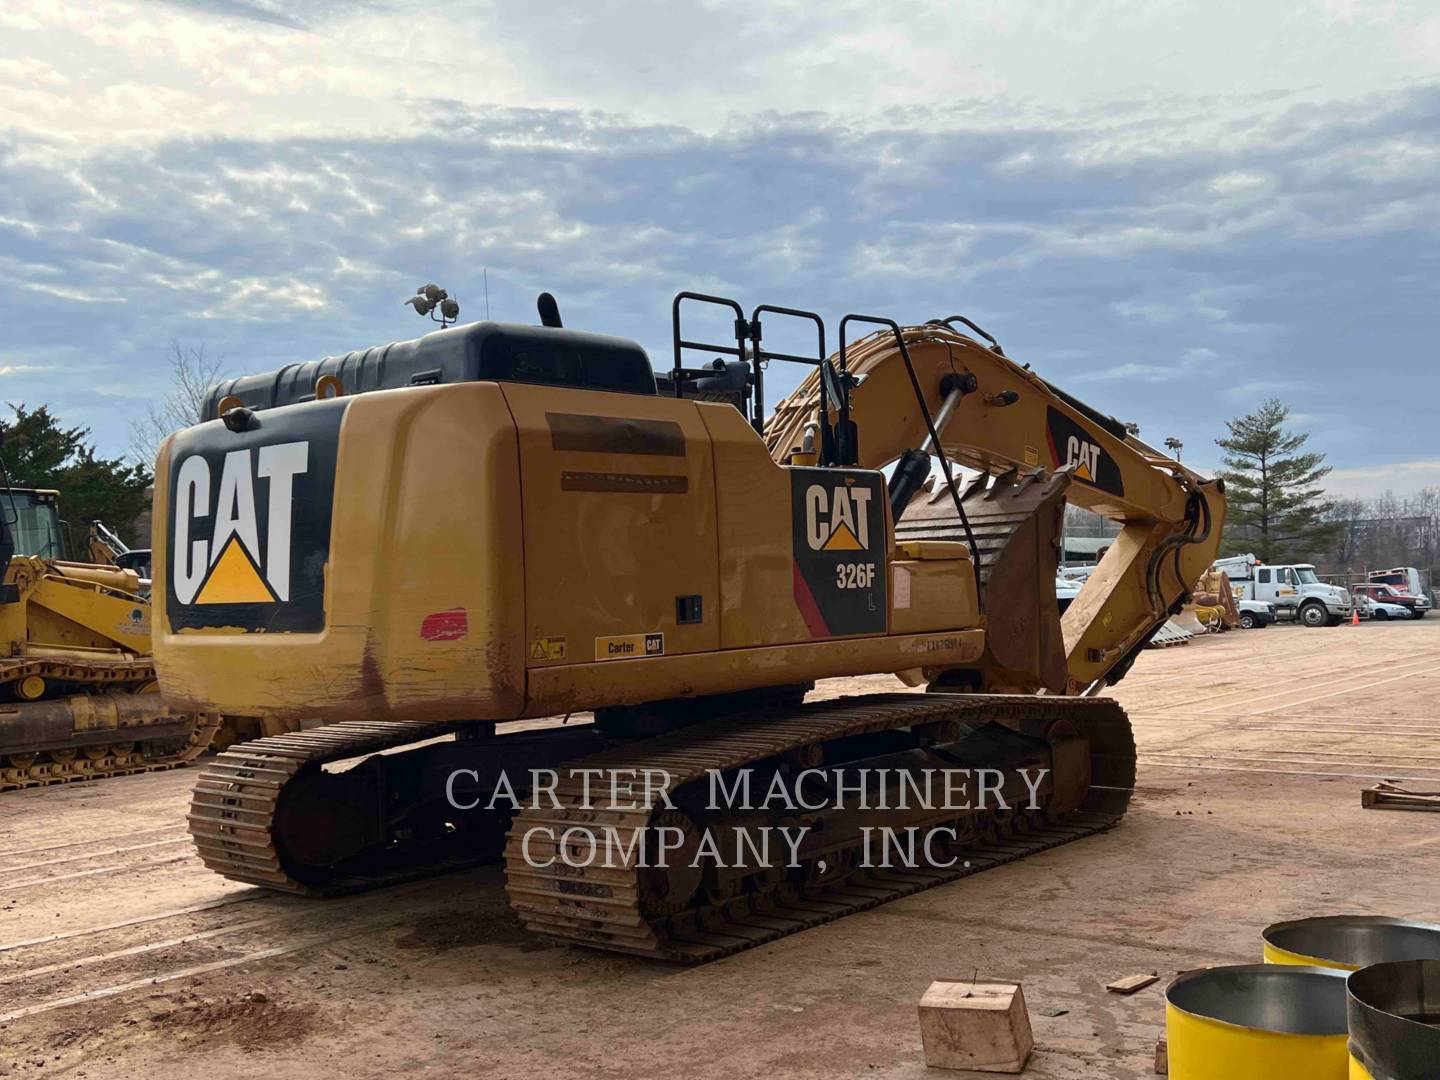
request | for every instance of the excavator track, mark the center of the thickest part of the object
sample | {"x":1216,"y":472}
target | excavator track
{"x":237,"y":798}
{"x":146,"y":746}
{"x":603,"y":904}
{"x":245,"y":800}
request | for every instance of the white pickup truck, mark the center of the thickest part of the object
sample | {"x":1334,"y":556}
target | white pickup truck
{"x":1294,"y":589}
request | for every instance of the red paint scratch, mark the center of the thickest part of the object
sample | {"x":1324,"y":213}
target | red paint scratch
{"x":445,"y":625}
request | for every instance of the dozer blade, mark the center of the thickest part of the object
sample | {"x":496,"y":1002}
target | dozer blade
{"x":1016,"y":520}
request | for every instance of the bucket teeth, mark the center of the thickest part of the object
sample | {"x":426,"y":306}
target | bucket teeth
{"x":1015,"y":521}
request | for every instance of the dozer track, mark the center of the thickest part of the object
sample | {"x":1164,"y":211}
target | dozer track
{"x":613,"y":907}
{"x":75,"y":737}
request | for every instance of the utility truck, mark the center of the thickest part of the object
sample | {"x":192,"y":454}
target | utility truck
{"x":1294,"y":588}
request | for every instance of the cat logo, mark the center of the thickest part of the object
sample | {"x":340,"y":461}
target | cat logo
{"x":837,"y":519}
{"x":232,"y":566}
{"x":1084,"y":455}
{"x":247,"y":525}
{"x":1072,"y":446}
{"x":838,"y":542}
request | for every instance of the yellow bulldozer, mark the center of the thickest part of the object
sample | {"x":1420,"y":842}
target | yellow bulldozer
{"x":80,"y":699}
{"x":418,"y":545}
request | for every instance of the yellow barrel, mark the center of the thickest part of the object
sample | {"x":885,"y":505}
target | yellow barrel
{"x":1394,"y":1017}
{"x":1257,"y":1022}
{"x":1350,"y":942}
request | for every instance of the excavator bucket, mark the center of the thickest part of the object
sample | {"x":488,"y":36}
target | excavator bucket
{"x":1016,"y":519}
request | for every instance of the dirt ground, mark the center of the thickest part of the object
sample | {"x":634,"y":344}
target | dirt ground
{"x":121,"y":956}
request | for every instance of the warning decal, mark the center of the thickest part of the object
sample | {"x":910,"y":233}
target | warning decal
{"x":548,"y":648}
{"x":839,"y":545}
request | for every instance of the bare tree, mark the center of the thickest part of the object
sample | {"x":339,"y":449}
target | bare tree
{"x":1374,"y":534}
{"x":1346,"y":515}
{"x":192,"y":373}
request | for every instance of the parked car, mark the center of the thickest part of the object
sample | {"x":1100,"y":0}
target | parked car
{"x":1415,"y":606}
{"x":1379,"y":609}
{"x":1066,"y":589}
{"x":1406,"y":579}
{"x":1255,"y":614}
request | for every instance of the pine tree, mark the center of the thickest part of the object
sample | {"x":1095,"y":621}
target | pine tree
{"x":1275,"y":507}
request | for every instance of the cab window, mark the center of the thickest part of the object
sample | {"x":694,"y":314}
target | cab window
{"x":1264,"y":577}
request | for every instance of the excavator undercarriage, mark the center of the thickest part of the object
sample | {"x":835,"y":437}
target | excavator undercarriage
{"x":626,"y":871}
{"x":562,"y":541}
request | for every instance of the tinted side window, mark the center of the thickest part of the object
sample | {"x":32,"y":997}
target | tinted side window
{"x":542,"y":364}
{"x":1264,"y":577}
{"x":610,"y":369}
{"x":566,"y":365}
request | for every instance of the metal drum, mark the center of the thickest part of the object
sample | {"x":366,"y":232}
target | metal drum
{"x":1394,"y":1014}
{"x":1257,"y":1022}
{"x":1350,"y":942}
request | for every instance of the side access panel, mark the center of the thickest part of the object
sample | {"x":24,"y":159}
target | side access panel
{"x":619,"y":523}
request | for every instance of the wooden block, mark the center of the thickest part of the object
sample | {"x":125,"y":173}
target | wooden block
{"x":1162,"y":1057}
{"x":1130,"y":983}
{"x":1387,"y":796}
{"x":974,"y":1025}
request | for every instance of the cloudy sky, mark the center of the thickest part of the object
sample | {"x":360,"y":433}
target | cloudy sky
{"x":1173,"y":209}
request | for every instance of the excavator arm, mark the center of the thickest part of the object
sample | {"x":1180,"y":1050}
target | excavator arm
{"x":1042,"y":447}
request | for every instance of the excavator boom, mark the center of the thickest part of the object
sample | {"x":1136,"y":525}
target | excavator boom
{"x":1000,"y":419}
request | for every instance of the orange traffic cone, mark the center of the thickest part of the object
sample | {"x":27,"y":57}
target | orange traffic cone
{"x":1355,"y":616}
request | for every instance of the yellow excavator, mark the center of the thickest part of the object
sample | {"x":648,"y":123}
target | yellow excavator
{"x":418,"y":545}
{"x":78,"y":695}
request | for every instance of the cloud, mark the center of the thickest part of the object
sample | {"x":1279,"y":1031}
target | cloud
{"x":1401,"y":477}
{"x":240,"y":9}
{"x":1177,"y":239}
{"x":1154,"y":78}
